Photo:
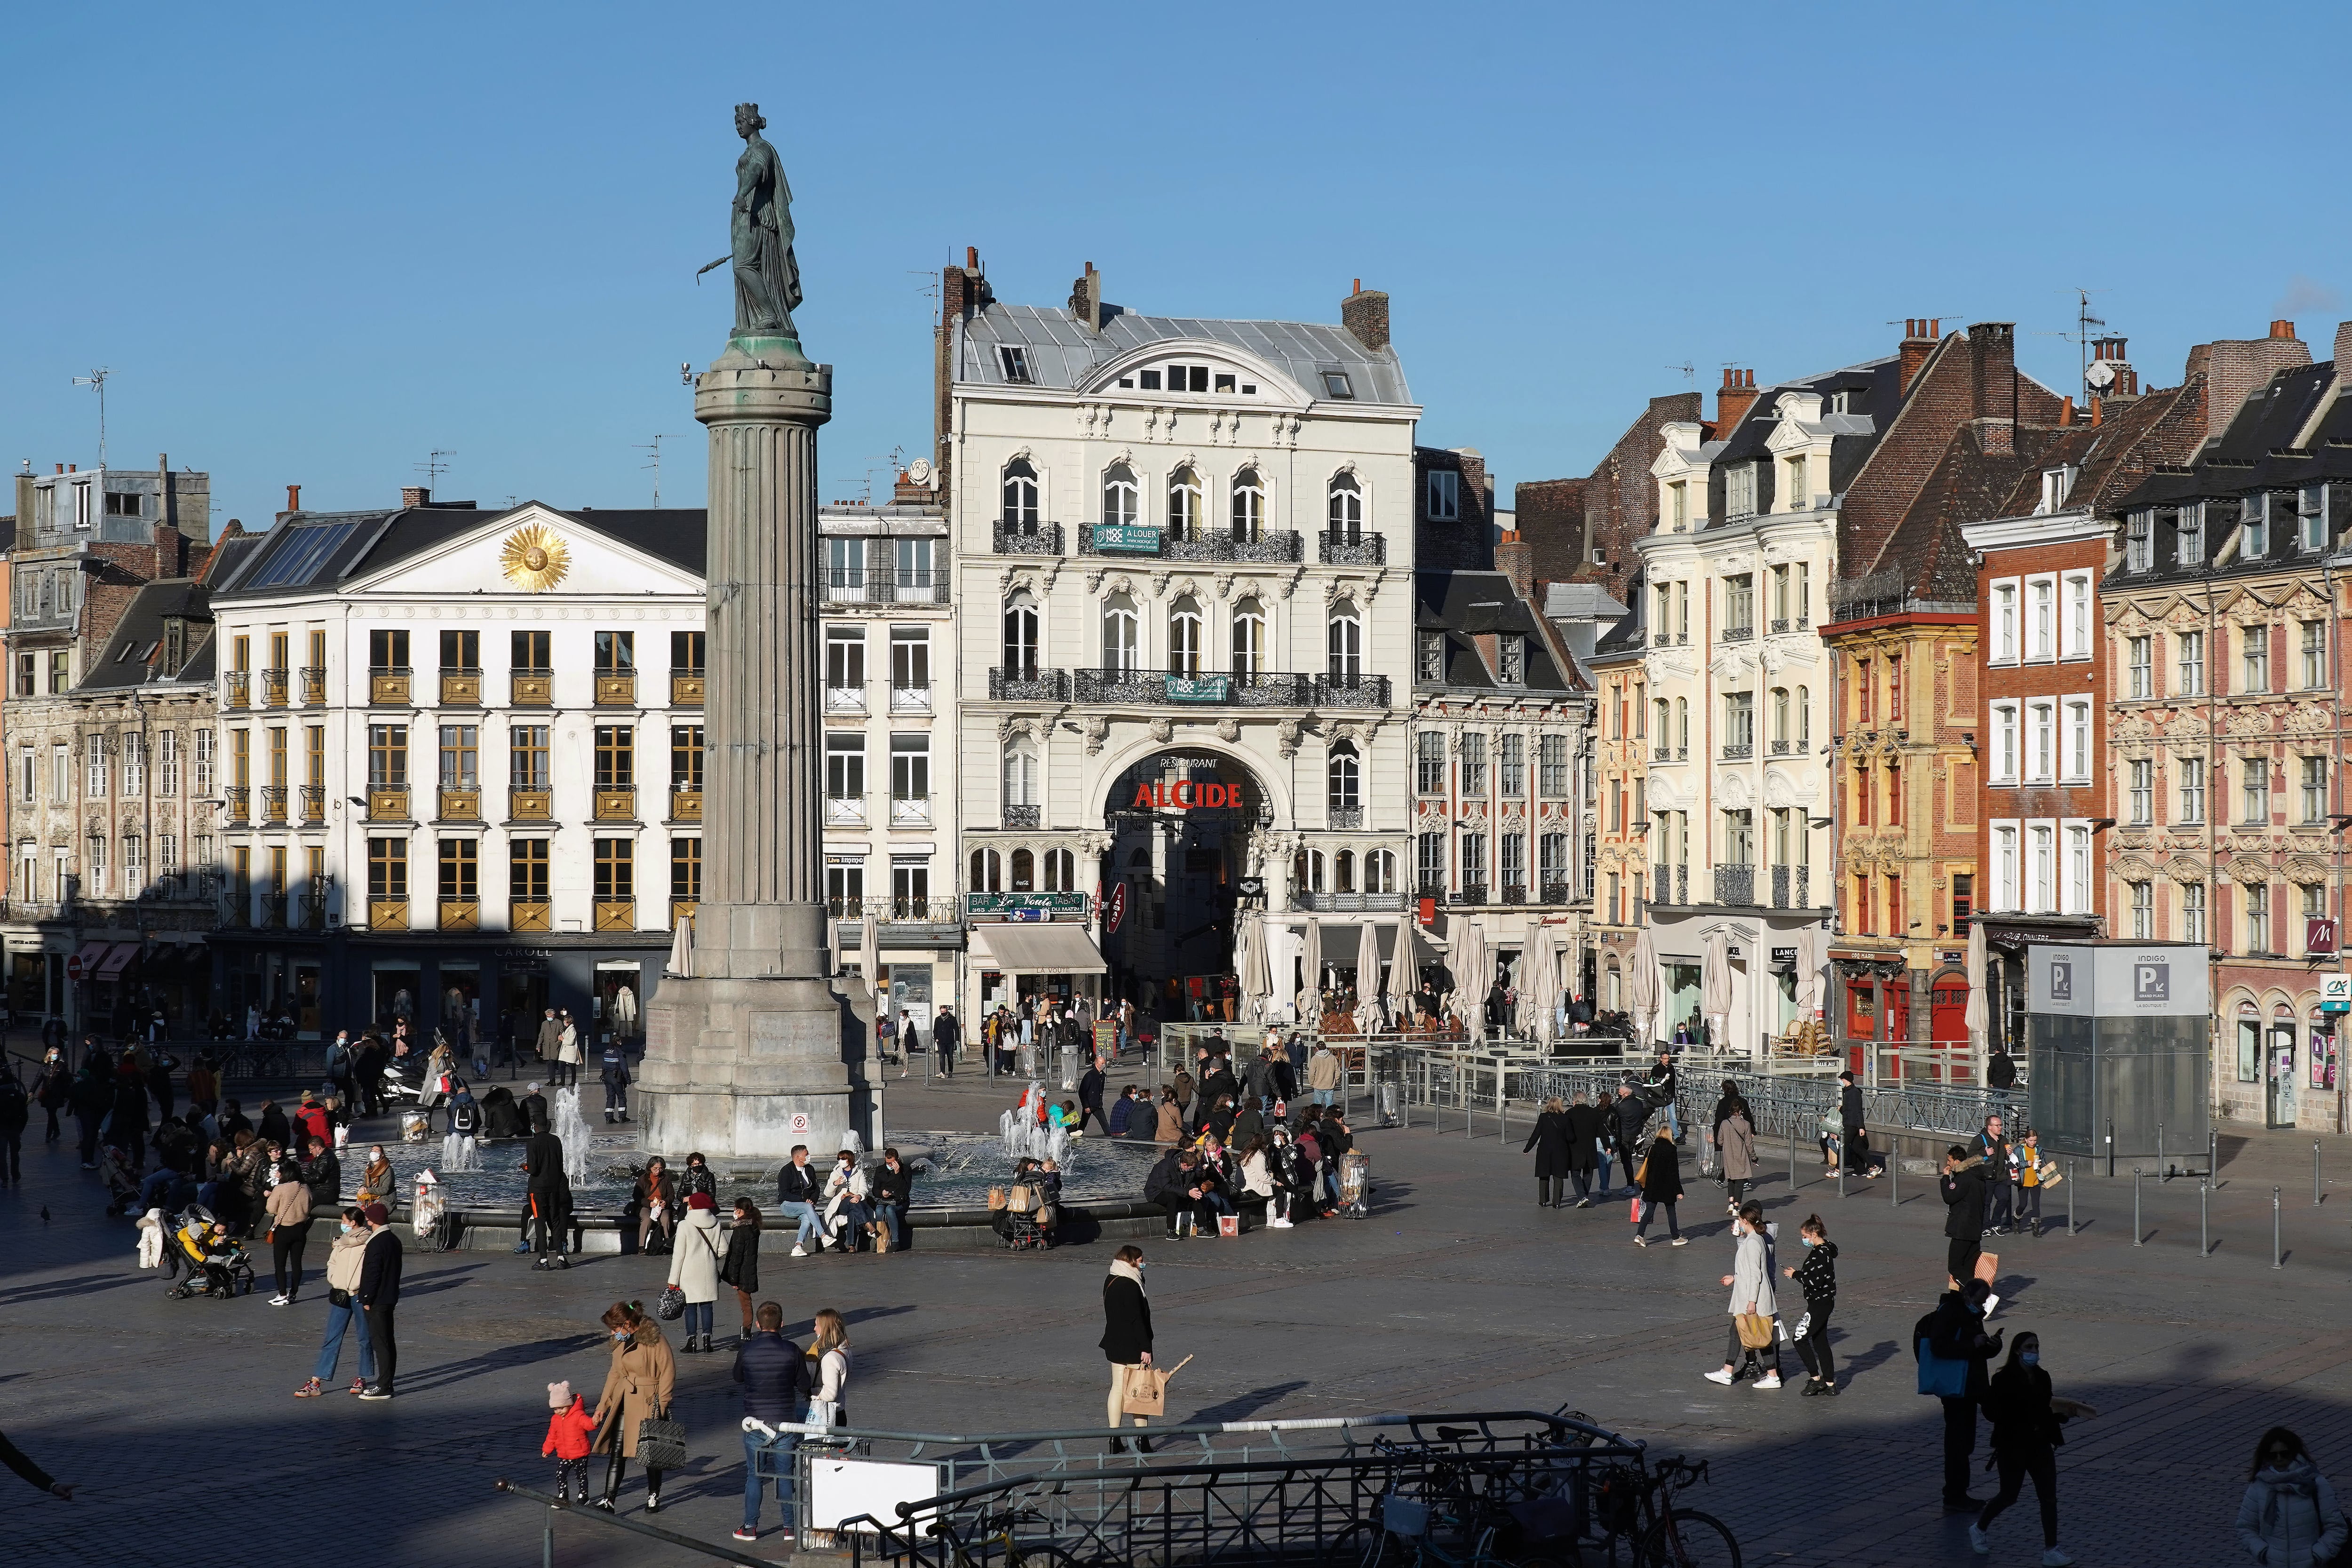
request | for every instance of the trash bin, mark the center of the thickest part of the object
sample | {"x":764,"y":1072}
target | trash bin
{"x":1355,"y":1184}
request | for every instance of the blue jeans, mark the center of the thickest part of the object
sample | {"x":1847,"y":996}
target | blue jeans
{"x":754,"y":1483}
{"x":1324,"y":1096}
{"x":806,"y":1214}
{"x":698,"y":1315}
{"x":330,"y":1349}
{"x":893,"y":1219}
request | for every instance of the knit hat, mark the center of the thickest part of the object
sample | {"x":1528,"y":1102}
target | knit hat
{"x":701,"y":1201}
{"x":377,"y":1214}
{"x":558,"y":1396}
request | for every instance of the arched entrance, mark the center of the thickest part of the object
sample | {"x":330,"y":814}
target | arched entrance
{"x":1181,"y":823}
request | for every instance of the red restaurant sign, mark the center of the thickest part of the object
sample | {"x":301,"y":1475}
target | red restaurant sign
{"x":1186,"y":795}
{"x":1115,"y":909}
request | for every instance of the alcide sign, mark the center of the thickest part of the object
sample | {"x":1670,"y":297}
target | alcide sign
{"x":1187,"y":795}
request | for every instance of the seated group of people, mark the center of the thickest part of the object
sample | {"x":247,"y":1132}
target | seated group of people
{"x":1296,"y":1175}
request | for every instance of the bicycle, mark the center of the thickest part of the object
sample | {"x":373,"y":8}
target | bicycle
{"x":1631,"y":1506}
{"x":999,"y":1546}
{"x":1412,"y":1533}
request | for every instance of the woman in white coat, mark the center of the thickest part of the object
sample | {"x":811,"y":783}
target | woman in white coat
{"x":1751,"y":1296}
{"x":694,"y":1269}
{"x":568,"y":1052}
{"x":2289,"y":1517}
{"x":847,"y":1206}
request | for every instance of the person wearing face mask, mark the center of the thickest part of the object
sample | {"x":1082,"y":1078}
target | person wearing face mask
{"x":379,"y":1184}
{"x":1126,"y":1337}
{"x":1751,"y":1297}
{"x":2289,"y":1517}
{"x":2025,"y":1437}
{"x":643,"y":1377}
{"x":1817,"y":1278}
{"x":345,"y":1258}
{"x":1952,"y":1348}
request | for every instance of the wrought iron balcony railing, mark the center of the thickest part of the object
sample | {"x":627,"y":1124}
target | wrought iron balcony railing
{"x":1339,"y":547}
{"x":1028,"y":537}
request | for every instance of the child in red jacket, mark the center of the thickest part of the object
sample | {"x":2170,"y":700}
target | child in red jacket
{"x":569,"y":1434}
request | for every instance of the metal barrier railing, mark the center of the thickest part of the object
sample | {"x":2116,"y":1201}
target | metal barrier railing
{"x":1260,"y":1491}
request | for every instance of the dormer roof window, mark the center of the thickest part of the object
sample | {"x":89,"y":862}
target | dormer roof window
{"x":1336,"y":384}
{"x":2056,"y":484}
{"x":1015,"y":362}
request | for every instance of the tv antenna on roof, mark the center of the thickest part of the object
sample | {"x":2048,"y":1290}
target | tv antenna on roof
{"x":1690,"y":370}
{"x":96,"y":378}
{"x":433,"y":468}
{"x":654,"y":447}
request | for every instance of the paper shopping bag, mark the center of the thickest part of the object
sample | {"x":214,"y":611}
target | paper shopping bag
{"x":1147,"y":1389}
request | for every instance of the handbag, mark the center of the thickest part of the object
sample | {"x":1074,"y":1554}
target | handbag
{"x":338,"y":1297}
{"x":671,"y":1306}
{"x":824,"y":1412}
{"x":1755,"y":1331}
{"x":661,"y":1443}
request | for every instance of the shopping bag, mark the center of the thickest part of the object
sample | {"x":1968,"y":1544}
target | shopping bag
{"x":1755,"y":1331}
{"x":1147,"y":1389}
{"x":1229,"y":1225}
{"x":1989,"y":1267}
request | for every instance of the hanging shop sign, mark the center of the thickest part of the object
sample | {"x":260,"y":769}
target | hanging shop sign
{"x":2335,"y":993}
{"x":1125,"y":539}
{"x":1199,"y":687}
{"x":1115,"y":909}
{"x":1187,"y":795}
{"x":2319,"y":936}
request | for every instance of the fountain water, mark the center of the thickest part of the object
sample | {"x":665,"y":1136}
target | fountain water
{"x":568,"y":1124}
{"x":1025,"y":1135}
{"x":459,"y":1153}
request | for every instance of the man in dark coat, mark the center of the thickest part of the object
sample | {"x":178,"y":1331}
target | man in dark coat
{"x":1586,"y":1124}
{"x":615,"y":1075}
{"x":378,"y":1294}
{"x":1850,"y":1118}
{"x":1626,"y":1118}
{"x":1549,"y":1140}
{"x":1662,"y":1186}
{"x":945,"y":1038}
{"x":1963,"y":1188}
{"x":549,"y":1195}
{"x":775,"y":1375}
{"x":1175,"y":1185}
{"x":1090,"y":1104}
{"x":1955,"y":1331}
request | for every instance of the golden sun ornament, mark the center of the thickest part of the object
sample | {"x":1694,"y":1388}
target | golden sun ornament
{"x":535,"y":558}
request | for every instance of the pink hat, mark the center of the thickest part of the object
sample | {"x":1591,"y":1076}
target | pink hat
{"x":701,"y":1201}
{"x":558,"y":1396}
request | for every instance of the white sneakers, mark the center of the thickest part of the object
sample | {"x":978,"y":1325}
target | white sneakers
{"x":1769,"y":1380}
{"x":1279,"y":1224}
{"x":1721,"y":1375}
{"x":1679,"y":1241}
{"x":1978,"y":1542}
{"x":798,"y":1251}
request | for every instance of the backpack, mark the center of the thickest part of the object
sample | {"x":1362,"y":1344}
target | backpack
{"x":1938,"y":1375}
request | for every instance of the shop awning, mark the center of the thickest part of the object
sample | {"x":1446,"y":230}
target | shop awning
{"x":89,"y":955}
{"x":1040,"y":949}
{"x":118,"y":961}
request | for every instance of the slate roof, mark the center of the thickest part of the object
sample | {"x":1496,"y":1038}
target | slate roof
{"x":1062,"y":354}
{"x":315,"y":550}
{"x":132,"y":655}
{"x":1852,"y":435}
{"x":2253,"y":453}
{"x":1462,"y":604}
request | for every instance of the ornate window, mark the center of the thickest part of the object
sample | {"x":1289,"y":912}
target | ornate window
{"x":1020,"y":776}
{"x":1184,"y":504}
{"x":1249,"y":506}
{"x":1343,"y":642}
{"x":1184,"y":638}
{"x":1024,"y":872}
{"x":1061,"y":871}
{"x":1120,"y":633}
{"x":1344,"y":773}
{"x":1021,"y":636}
{"x":1249,"y":638}
{"x":1019,"y":495}
{"x":1347,"y":508}
{"x":1119,"y":495}
{"x":987,"y":872}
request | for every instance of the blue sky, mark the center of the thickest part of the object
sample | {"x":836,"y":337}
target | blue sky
{"x":313,"y":244}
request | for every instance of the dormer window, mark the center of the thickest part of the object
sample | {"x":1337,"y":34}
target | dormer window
{"x":1336,"y":384}
{"x":2254,"y":529}
{"x":175,"y":645}
{"x":1798,"y":469}
{"x":1679,"y":507}
{"x":2056,"y":484}
{"x":2311,"y":505}
{"x":1185,"y":378}
{"x":1511,"y":660}
{"x":1150,"y":381}
{"x":123,"y":504}
{"x":1739,"y":490}
{"x":1016,"y":362}
{"x":1431,"y":662}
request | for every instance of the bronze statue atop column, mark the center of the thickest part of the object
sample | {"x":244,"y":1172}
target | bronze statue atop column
{"x":767,"y":274}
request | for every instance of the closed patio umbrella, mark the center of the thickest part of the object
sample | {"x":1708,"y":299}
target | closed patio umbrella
{"x":1368,"y":976}
{"x":1714,"y":988}
{"x":1310,"y":970}
{"x":1978,"y":1015}
{"x":1249,"y":963}
{"x":869,"y":952}
{"x":1470,"y":966}
{"x":1642,"y":988}
{"x":1403,"y":973}
{"x":1539,"y":985}
{"x":681,"y":949}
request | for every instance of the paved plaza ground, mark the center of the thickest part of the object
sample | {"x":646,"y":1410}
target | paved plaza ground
{"x":177,"y":1416}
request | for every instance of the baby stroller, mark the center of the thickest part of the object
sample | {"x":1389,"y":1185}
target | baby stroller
{"x":121,"y":1178}
{"x":216,"y":1264}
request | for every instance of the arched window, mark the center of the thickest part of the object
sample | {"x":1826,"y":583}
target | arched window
{"x":1379,"y":872}
{"x":1139,"y":857}
{"x":1804,"y":718}
{"x":1249,"y":638}
{"x":1024,"y":872}
{"x":1343,"y":872}
{"x":1021,"y":496}
{"x":1184,"y":504}
{"x":1249,"y":506}
{"x":1184,"y":638}
{"x":1347,"y":510}
{"x":1061,"y":871}
{"x":987,"y":872}
{"x":1780,"y":717}
{"x":1612,"y":987}
{"x":1344,"y":774}
{"x":1312,"y":869}
{"x":1020,"y":776}
{"x":1681,"y":725}
{"x":1021,"y":636}
{"x":1120,"y":642}
{"x":1343,"y":642}
{"x":1119,"y":495}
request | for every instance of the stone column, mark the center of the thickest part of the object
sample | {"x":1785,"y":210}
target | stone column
{"x":757,"y":1052}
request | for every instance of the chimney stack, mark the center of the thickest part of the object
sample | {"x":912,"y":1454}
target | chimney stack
{"x":1365,"y":314}
{"x":1733,"y":399}
{"x":1515,"y":557}
{"x":2342,"y":350}
{"x":2067,"y":414}
{"x":1086,"y":300}
{"x":293,"y":497}
{"x":414,"y":496}
{"x":1920,"y":334}
{"x":2282,"y":329}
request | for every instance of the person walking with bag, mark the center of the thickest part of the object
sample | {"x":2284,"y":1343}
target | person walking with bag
{"x":694,"y":1271}
{"x":2025,"y":1440}
{"x":1660,"y":1183}
{"x":637,"y":1388}
{"x":1817,"y":1278}
{"x":1963,"y":1188}
{"x":1753,"y":1305}
{"x":289,"y":1206}
{"x":1549,"y":1141}
{"x":1127,"y":1338}
{"x":1952,"y":1348}
{"x":1735,"y":1142}
{"x":2289,"y":1517}
{"x":345,"y":1258}
{"x":742,"y":1268}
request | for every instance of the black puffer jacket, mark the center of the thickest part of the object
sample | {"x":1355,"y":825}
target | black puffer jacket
{"x":1817,"y":1276}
